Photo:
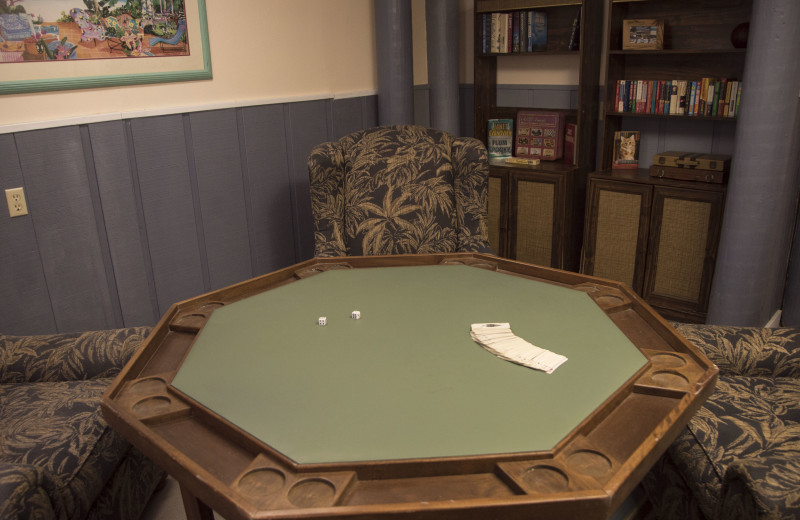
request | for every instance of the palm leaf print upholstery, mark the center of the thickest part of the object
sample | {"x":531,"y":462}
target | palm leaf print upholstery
{"x":739,"y":456}
{"x":58,"y":457}
{"x":399,"y":189}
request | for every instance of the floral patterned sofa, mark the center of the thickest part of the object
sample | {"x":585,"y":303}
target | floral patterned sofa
{"x":739,"y":457}
{"x":399,"y":189}
{"x":58,"y":457}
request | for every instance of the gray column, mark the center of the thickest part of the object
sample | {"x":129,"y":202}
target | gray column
{"x":763,"y":190}
{"x":395,"y":62}
{"x":441,"y":27}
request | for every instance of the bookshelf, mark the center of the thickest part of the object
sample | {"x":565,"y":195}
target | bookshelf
{"x":536,"y":212}
{"x":661,"y":235}
{"x":696,"y":44}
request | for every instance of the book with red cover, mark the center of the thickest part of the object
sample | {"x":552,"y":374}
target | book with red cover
{"x":570,"y":150}
{"x":540,"y":135}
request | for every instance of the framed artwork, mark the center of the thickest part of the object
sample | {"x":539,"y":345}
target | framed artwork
{"x":642,"y":34}
{"x":626,"y":149}
{"x":48,"y":45}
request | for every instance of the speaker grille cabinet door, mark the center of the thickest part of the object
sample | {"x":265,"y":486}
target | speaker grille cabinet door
{"x":498,"y":213}
{"x":618,"y":218}
{"x":683,"y":242}
{"x":537,"y":218}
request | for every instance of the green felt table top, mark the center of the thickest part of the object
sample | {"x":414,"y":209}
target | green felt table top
{"x":406,"y":380}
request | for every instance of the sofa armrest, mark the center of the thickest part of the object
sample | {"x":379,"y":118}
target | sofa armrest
{"x":760,"y":488}
{"x":67,"y":357}
{"x":747,"y":351}
{"x":25,"y":492}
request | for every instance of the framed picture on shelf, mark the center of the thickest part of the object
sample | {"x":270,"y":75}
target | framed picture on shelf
{"x":642,"y":35}
{"x":626,"y":149}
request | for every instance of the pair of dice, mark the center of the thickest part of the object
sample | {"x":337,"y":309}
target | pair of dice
{"x":322,"y":320}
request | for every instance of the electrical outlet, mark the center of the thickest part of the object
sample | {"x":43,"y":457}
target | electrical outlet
{"x":16,"y":202}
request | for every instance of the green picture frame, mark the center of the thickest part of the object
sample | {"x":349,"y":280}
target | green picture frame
{"x":82,"y":74}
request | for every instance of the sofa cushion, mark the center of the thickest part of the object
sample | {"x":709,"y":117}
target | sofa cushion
{"x":399,"y":192}
{"x":58,"y":427}
{"x":741,"y":451}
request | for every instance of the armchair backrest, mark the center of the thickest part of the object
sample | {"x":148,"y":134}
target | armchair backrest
{"x":399,"y":189}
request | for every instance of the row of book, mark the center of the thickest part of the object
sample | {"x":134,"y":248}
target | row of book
{"x":518,"y":31}
{"x":711,"y":97}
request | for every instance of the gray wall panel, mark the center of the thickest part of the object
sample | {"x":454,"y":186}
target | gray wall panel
{"x":268,"y":189}
{"x":307,"y":127}
{"x":370,"y":111}
{"x":122,"y":219}
{"x":221,"y":196}
{"x":348,"y":116}
{"x":166,"y":192}
{"x":63,"y":216}
{"x":25,"y":304}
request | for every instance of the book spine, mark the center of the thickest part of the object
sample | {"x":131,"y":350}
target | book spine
{"x":495,"y":47}
{"x":717,"y":90}
{"x":723,"y":89}
{"x":710,"y":98}
{"x":738,"y":98}
{"x":515,"y":32}
{"x":734,"y":97}
{"x":616,"y":96}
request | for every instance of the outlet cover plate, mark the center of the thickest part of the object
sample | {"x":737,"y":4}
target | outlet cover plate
{"x":16,"y":202}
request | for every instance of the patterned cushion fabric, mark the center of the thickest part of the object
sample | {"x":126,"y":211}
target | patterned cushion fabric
{"x":67,"y":357}
{"x":57,"y":453}
{"x":58,"y":428}
{"x":748,"y":351}
{"x":399,"y":189}
{"x":739,"y":456}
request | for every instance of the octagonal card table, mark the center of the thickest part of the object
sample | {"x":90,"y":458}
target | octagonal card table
{"x":258,"y":411}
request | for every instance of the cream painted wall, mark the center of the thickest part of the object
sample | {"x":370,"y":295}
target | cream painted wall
{"x":261,"y":50}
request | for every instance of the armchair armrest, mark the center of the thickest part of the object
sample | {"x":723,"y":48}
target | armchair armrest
{"x":67,"y":357}
{"x":326,"y":171}
{"x":747,"y":351}
{"x":471,"y":163}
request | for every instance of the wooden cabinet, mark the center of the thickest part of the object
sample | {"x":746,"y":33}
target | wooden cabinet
{"x":658,"y":236}
{"x":536,"y":213}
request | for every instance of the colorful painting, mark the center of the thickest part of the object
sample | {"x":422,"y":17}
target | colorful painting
{"x":42,"y":30}
{"x":98,"y":38}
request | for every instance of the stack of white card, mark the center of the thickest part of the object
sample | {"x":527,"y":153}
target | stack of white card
{"x":498,"y":339}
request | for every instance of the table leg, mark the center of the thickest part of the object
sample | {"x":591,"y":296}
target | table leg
{"x":195,"y":508}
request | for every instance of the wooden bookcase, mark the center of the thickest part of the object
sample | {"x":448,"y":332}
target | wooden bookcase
{"x":536,"y":212}
{"x":661,"y":235}
{"x":697,"y":44}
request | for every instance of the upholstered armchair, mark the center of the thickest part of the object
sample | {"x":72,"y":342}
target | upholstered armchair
{"x":58,"y":457}
{"x":739,"y":457}
{"x":399,"y":189}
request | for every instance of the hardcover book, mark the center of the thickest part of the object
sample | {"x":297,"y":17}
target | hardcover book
{"x":501,"y":138}
{"x":570,"y":150}
{"x":540,"y":135}
{"x":626,"y":149}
